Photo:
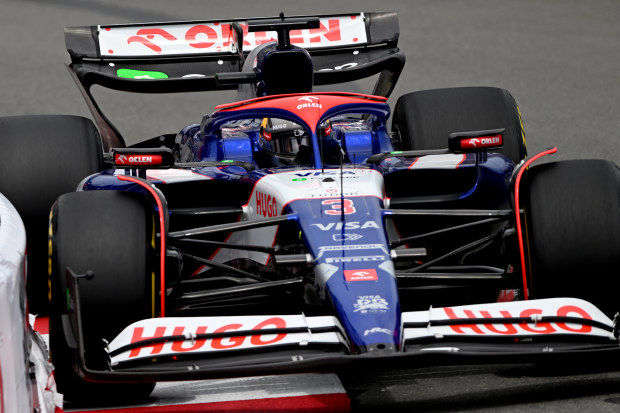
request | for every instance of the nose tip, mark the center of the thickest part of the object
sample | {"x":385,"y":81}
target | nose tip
{"x":380,"y":348}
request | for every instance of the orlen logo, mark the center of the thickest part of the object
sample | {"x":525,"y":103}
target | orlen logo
{"x":215,"y":36}
{"x":482,"y":142}
{"x":138,"y":159}
{"x":309,"y":102}
{"x":149,"y":34}
{"x":513,"y":328}
{"x":223,"y":343}
{"x":361,"y":275}
{"x":266,"y":205}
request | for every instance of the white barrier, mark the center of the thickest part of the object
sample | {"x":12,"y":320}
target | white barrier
{"x":25,"y":376}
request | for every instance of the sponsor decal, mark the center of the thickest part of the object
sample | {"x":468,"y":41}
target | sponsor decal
{"x":309,"y":102}
{"x":140,"y":74}
{"x":347,"y":237}
{"x":122,"y":159}
{"x":482,"y":142}
{"x":149,"y":34}
{"x":299,"y":179}
{"x":319,"y":173}
{"x":266,"y":205}
{"x":351,"y":248}
{"x":371,"y":304}
{"x":337,"y":226}
{"x":362,"y":275}
{"x":507,"y":296}
{"x":223,"y":343}
{"x":214,"y":37}
{"x":364,"y":258}
{"x":378,"y":330}
{"x":514,"y":328}
{"x":339,"y":206}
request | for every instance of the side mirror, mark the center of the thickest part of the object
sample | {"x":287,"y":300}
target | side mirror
{"x":142,"y":158}
{"x":465,"y":142}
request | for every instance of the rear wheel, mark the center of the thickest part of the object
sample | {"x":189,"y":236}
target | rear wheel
{"x":424,"y":120}
{"x":109,"y":233}
{"x":572,"y":211}
{"x":43,"y":157}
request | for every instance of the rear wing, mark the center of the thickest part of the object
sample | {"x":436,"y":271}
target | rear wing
{"x":208,"y":55}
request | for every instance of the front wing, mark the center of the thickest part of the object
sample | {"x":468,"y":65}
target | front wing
{"x":207,"y":347}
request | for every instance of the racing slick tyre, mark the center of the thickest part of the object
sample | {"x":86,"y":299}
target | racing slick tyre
{"x":572,"y":214}
{"x":109,"y":233}
{"x":43,"y":157}
{"x":425,"y":119}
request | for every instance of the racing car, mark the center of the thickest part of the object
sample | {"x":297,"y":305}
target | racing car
{"x":298,"y":229}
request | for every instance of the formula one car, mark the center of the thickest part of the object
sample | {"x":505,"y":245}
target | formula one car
{"x":293,"y":231}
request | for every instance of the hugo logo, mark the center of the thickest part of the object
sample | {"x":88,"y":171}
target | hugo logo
{"x":266,"y":205}
{"x":513,"y":328}
{"x":222,"y":343}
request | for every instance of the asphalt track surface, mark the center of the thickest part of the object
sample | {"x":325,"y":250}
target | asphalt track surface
{"x":559,"y":58}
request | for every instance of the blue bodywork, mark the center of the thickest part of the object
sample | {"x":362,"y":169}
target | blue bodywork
{"x":350,"y":250}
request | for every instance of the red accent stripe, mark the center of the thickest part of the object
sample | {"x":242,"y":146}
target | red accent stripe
{"x":325,"y":403}
{"x":461,"y":162}
{"x":162,"y":226}
{"x":413,"y":163}
{"x":227,"y":106}
{"x":518,"y":213}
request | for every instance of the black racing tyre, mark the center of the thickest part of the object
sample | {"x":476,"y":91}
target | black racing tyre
{"x":572,"y":211}
{"x":425,"y":119}
{"x":41,"y":158}
{"x":110,"y":233}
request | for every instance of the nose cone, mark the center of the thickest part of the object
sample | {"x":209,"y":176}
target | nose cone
{"x":368,"y":309}
{"x":354,"y":270}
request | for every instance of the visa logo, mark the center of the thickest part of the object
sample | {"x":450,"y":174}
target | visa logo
{"x":335,"y":226}
{"x":318,"y":173}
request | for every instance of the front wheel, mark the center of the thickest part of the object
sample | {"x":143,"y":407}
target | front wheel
{"x":109,"y":233}
{"x":572,"y":211}
{"x":425,"y":119}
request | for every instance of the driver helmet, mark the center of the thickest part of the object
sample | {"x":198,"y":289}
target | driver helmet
{"x":283,"y":139}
